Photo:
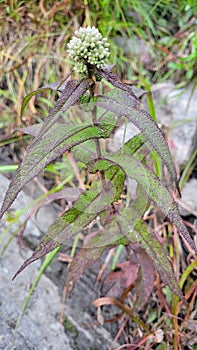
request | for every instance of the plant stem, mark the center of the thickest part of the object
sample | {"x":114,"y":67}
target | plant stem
{"x":98,"y":152}
{"x":94,"y":120}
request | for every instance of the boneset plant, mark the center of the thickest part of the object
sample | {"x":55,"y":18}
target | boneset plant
{"x":101,"y":202}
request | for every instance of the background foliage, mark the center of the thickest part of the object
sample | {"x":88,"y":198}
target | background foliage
{"x":160,"y":40}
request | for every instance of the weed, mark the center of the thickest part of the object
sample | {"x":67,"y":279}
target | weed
{"x":118,"y":224}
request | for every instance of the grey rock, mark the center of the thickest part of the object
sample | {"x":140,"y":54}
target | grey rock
{"x":189,"y":198}
{"x":135,"y":48}
{"x":39,"y":327}
{"x":121,"y":135}
{"x":176,"y":110}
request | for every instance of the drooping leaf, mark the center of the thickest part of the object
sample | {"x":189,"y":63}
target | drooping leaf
{"x":85,"y":258}
{"x":108,"y":236}
{"x":86,"y":208}
{"x":48,"y":148}
{"x":155,"y":190}
{"x":126,"y":228}
{"x":151,"y":184}
{"x":145,"y":282}
{"x":118,"y":280}
{"x":38,"y":254}
{"x":121,"y":103}
{"x":148,"y":241}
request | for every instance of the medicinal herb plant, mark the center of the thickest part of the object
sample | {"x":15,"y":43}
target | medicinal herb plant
{"x":103,"y":101}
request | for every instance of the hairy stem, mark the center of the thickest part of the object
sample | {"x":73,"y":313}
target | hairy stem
{"x":94,"y":120}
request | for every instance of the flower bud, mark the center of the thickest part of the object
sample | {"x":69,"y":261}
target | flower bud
{"x":88,"y":47}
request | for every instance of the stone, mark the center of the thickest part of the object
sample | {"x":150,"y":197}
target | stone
{"x":40,"y":328}
{"x":176,"y":110}
{"x":189,"y":198}
{"x":121,"y":135}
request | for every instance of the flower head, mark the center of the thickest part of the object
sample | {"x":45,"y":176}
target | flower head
{"x":88,"y":47}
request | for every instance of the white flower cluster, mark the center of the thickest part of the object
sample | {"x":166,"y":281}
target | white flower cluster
{"x":88,"y":47}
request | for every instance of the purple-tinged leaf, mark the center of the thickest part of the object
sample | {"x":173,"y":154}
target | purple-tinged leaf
{"x":52,"y":145}
{"x":93,"y":248}
{"x":150,"y":183}
{"x":121,"y":103}
{"x":86,"y":208}
{"x":118,"y":280}
{"x":89,"y":205}
{"x":154,"y":189}
{"x":32,"y":130}
{"x":113,"y":79}
{"x":148,"y":241}
{"x":56,"y":86}
{"x":39,"y":253}
{"x":69,"y":96}
{"x":146,"y":275}
{"x":85,"y":258}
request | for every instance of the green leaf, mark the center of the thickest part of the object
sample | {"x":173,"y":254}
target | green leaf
{"x":86,"y":208}
{"x":154,"y":189}
{"x":151,"y":184}
{"x":48,"y":148}
{"x":69,"y":96}
{"x":121,"y":103}
{"x":148,"y":241}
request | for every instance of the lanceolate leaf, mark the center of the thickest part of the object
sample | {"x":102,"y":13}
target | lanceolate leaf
{"x":47,"y":149}
{"x":82,"y":261}
{"x":121,"y":103}
{"x":123,"y":277}
{"x":126,"y":228}
{"x":56,"y":86}
{"x":146,"y":276}
{"x":92,"y":250}
{"x":141,"y":234}
{"x":86,"y":208}
{"x":155,"y":190}
{"x":112,"y":78}
{"x":69,"y":96}
{"x":109,"y":236}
